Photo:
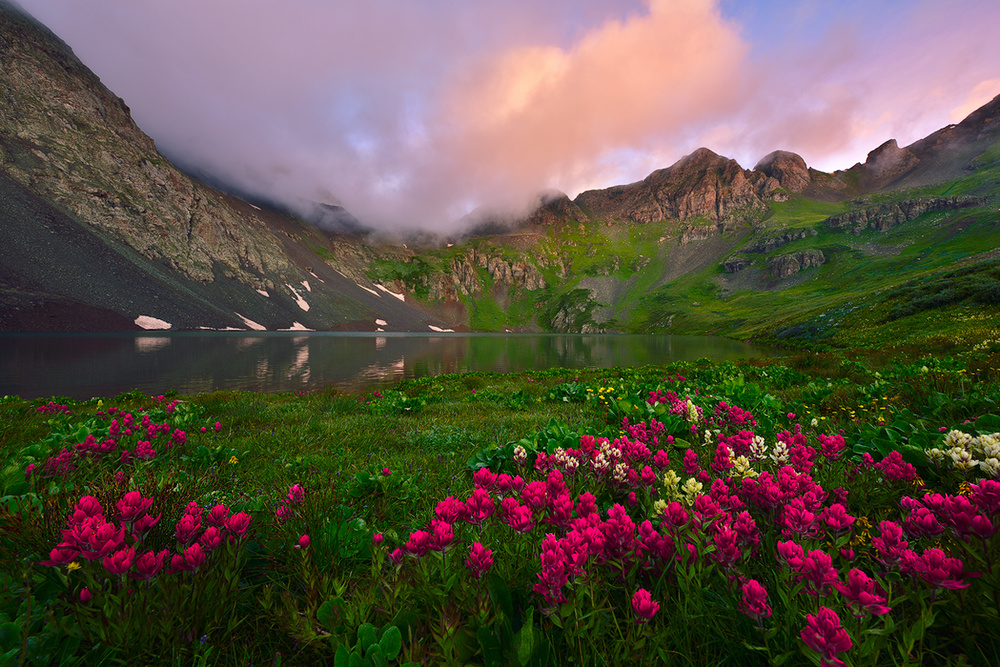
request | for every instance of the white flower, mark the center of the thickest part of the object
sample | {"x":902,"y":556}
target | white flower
{"x":814,"y":423}
{"x":990,"y":466}
{"x":936,"y":456}
{"x":742,"y":468}
{"x":780,"y":453}
{"x":692,"y":412}
{"x":962,"y":459}
{"x":520,"y":455}
{"x":957,"y":439}
{"x":692,"y":487}
{"x":758,"y":448}
{"x":620,"y":473}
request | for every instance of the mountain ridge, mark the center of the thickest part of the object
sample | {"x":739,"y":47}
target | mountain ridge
{"x":100,"y":230}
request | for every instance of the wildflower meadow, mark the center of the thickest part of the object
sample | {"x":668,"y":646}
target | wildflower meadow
{"x":814,"y":510}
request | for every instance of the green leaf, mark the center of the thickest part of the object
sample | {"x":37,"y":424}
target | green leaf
{"x":325,"y":615}
{"x":493,"y":654}
{"x":525,"y":638}
{"x":391,"y":642}
{"x":988,"y":424}
{"x":367,"y":635}
{"x":10,"y":636}
{"x":500,"y":594}
{"x":342,"y":657}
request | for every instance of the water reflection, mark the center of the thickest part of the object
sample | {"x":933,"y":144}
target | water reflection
{"x":86,"y":365}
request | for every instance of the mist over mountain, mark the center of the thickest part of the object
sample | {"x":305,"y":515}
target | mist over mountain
{"x":102,"y":232}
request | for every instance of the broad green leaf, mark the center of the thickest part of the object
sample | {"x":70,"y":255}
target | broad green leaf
{"x":391,"y":642}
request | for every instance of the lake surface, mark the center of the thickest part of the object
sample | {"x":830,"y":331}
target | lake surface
{"x":83,"y":366}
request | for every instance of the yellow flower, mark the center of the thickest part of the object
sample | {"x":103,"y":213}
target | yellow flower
{"x":73,"y":566}
{"x":233,"y":460}
{"x":964,"y":489}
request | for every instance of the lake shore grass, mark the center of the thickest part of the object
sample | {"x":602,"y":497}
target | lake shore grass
{"x":324,"y":527}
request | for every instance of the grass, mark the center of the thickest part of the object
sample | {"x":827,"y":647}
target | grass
{"x":422,"y":432}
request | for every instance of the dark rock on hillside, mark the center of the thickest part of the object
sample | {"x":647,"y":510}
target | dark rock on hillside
{"x":736,"y":263}
{"x":888,"y":215}
{"x":769,"y":240}
{"x":784,"y":266}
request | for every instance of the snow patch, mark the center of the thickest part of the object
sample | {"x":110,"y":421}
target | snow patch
{"x":250,"y":323}
{"x":305,"y":283}
{"x":388,"y":291}
{"x":380,"y":329}
{"x":303,"y":304}
{"x":381,"y":323}
{"x":263,"y":292}
{"x":296,"y":326}
{"x":147,"y":322}
{"x":439,"y":330}
{"x":370,"y":290}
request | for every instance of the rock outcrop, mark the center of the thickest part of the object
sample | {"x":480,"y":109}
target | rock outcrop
{"x":788,"y":169}
{"x":773,"y":239}
{"x":785,"y":266}
{"x":736,"y":263}
{"x":888,"y":215}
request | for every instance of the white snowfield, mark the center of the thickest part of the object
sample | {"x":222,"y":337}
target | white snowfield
{"x":250,"y":323}
{"x":440,"y":330}
{"x":388,"y":291}
{"x":303,"y":304}
{"x":151,"y":323}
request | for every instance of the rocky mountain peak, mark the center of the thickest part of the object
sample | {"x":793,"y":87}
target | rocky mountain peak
{"x":788,"y":168}
{"x":889,"y":160}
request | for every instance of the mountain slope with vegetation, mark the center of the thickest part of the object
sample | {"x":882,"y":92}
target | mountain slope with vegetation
{"x":100,"y":231}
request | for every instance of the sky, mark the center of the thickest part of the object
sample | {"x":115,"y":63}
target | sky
{"x":412,"y":113}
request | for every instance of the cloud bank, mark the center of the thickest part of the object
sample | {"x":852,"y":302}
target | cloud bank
{"x":412,"y":114}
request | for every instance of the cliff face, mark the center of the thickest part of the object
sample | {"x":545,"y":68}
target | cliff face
{"x":67,"y":138}
{"x":701,"y":185}
{"x":96,"y":223}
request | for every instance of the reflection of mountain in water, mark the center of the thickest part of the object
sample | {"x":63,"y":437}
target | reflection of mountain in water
{"x":82,"y":366}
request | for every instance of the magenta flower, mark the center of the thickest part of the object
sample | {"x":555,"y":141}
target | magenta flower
{"x":27,"y":471}
{"x":120,"y":561}
{"x":644,"y":606}
{"x":520,"y":518}
{"x":691,"y":466}
{"x":923,"y":523}
{"x":144,"y":523}
{"x":211,"y":539}
{"x":87,"y":506}
{"x":148,"y":565}
{"x":132,"y":505}
{"x":754,"y":602}
{"x":188,"y":528}
{"x":442,"y":535}
{"x":862,"y":592}
{"x":940,"y":571}
{"x":283,"y":513}
{"x":419,"y":543}
{"x":986,"y":496}
{"x":64,"y":554}
{"x":396,"y":555}
{"x":836,"y":518}
{"x":191,"y":560}
{"x":85,"y":595}
{"x":104,"y":539}
{"x":480,"y":560}
{"x":792,"y":553}
{"x":303,"y":542}
{"x":818,"y":571}
{"x":217,"y":516}
{"x":824,"y":634}
{"x":479,"y":506}
{"x":727,"y":551}
{"x":890,"y":544}
{"x":386,"y":472}
{"x":238,"y":525}
{"x":296,"y":494}
{"x":377,"y":539}
{"x":450,"y":509}
{"x":484,"y":479}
